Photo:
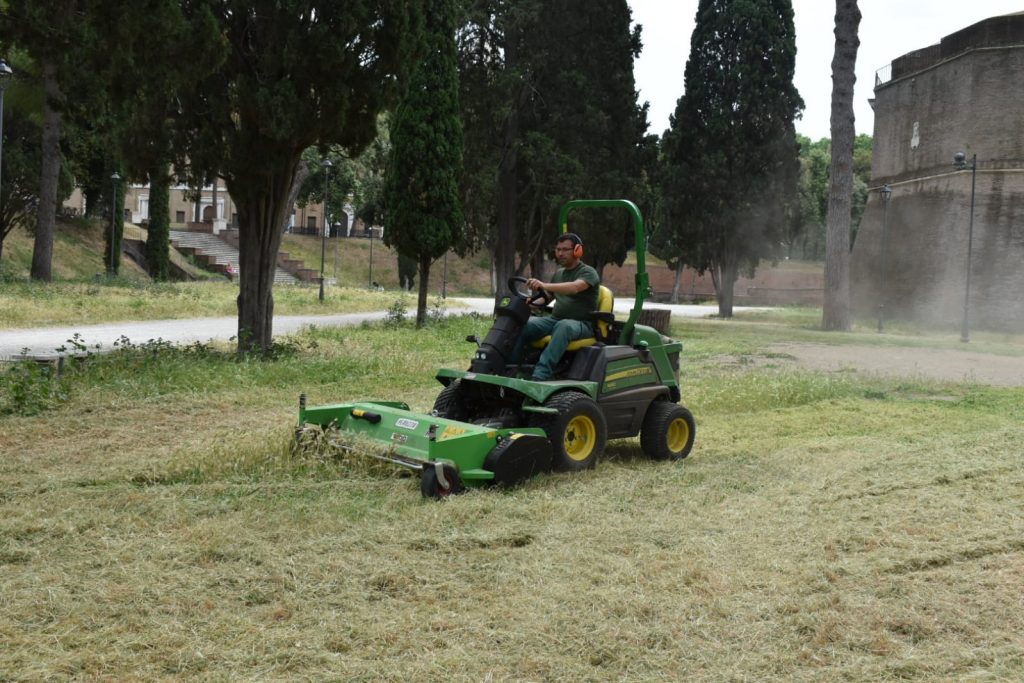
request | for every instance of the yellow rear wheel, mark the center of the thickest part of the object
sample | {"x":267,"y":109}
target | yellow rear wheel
{"x":678,"y":435}
{"x":667,"y":432}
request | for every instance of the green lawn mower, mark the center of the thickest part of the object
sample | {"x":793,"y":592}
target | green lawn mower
{"x":489,"y":426}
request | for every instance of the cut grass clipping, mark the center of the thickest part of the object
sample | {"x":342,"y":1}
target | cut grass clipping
{"x":158,"y":524}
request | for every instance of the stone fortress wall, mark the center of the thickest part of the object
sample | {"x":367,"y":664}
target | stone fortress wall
{"x":964,"y":94}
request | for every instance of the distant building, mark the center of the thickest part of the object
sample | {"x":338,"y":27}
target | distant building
{"x":966,"y":94}
{"x":305,"y":220}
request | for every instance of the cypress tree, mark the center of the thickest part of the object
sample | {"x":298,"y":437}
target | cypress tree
{"x":423,"y":218}
{"x":158,"y":234}
{"x":731,"y":159}
{"x":587,"y":130}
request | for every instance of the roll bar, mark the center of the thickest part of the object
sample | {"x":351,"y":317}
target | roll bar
{"x":642,"y":282}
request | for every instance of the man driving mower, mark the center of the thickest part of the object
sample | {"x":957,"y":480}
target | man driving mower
{"x":575,"y":287}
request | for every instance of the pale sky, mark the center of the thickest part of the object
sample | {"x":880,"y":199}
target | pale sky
{"x":888,"y":29}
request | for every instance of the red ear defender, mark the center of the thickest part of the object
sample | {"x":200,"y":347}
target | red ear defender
{"x":577,"y":243}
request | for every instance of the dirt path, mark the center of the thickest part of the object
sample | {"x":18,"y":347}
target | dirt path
{"x":941,"y":364}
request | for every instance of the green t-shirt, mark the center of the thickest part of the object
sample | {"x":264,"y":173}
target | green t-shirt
{"x":577,"y":306}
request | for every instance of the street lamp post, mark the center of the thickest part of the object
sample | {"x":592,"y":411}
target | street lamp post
{"x":370,"y":277}
{"x":5,"y":78}
{"x":444,"y":278}
{"x":114,"y":180}
{"x":960,"y":163}
{"x":886,"y":193}
{"x":323,"y":233}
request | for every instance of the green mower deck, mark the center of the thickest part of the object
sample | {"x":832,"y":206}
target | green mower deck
{"x":476,"y":455}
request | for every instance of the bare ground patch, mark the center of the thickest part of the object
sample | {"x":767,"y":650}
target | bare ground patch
{"x":941,"y":364}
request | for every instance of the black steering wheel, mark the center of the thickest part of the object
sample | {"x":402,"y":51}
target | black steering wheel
{"x":513,"y":285}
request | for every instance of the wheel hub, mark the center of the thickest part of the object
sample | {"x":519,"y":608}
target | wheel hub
{"x":678,"y":434}
{"x":580,"y":435}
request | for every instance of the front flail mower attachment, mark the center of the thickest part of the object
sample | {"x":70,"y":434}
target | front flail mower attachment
{"x":448,"y":454}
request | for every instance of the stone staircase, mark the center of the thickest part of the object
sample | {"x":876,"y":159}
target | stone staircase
{"x":216,"y":254}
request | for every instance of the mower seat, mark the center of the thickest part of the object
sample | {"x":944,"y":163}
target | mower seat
{"x":603,"y":317}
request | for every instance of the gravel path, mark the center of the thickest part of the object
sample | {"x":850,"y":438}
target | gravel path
{"x":42,"y":342}
{"x":944,"y":364}
{"x":957,"y":365}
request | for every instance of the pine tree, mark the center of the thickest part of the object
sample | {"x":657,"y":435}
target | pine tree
{"x":293,"y":77}
{"x":550,"y":110}
{"x":836,"y":309}
{"x":587,"y":130}
{"x":423,"y":208}
{"x":498,"y":58}
{"x":730,"y":154}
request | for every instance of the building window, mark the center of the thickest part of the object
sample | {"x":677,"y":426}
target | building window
{"x":179,"y":216}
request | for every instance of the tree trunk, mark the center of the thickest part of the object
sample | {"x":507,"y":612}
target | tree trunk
{"x":199,"y":203}
{"x":421,"y":298}
{"x":678,"y":280}
{"x":725,"y":284}
{"x":42,"y":250}
{"x":157,"y":246}
{"x":508,"y":177}
{"x":508,"y":200}
{"x":836,"y":310}
{"x":263,"y":206}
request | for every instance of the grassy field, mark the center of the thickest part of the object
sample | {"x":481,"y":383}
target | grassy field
{"x":30,"y":304}
{"x":155,"y":525}
{"x":81,"y":294}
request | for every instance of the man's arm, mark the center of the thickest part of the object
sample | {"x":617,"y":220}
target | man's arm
{"x":574,"y":287}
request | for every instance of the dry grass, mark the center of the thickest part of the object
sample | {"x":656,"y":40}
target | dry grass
{"x":348,"y":260}
{"x":26,"y":304}
{"x":82,"y":294}
{"x":158,"y":526}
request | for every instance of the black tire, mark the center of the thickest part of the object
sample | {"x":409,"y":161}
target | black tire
{"x":667,"y":432}
{"x":578,"y":431}
{"x":448,"y":403}
{"x":430,"y":487}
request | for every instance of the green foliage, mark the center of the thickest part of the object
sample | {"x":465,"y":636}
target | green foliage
{"x":421,"y":193}
{"x":22,"y":152}
{"x":805,"y":233}
{"x":158,"y":233}
{"x":357,"y":180}
{"x":549,"y":104}
{"x":28,"y":387}
{"x":406,"y":272}
{"x":293,"y":77}
{"x":586,"y":129}
{"x":396,"y":313}
{"x":731,"y":162}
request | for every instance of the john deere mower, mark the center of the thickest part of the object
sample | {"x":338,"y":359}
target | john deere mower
{"x":489,"y":426}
